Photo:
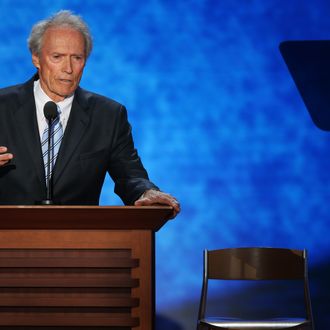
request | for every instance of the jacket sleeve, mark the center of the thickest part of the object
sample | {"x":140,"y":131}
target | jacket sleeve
{"x":125,"y":166}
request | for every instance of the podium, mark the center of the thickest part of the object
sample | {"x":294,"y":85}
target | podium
{"x":78,"y":267}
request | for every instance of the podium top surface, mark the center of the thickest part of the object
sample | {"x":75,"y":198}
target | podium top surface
{"x":84,"y":217}
{"x":308,"y":62}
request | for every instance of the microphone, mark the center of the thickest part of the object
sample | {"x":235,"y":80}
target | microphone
{"x":50,"y":113}
{"x":50,"y":110}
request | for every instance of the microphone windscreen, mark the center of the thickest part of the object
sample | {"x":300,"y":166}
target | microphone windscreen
{"x":50,"y":110}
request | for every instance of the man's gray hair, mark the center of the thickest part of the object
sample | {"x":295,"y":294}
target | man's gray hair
{"x":65,"y":19}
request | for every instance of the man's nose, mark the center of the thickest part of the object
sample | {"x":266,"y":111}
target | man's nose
{"x":67,"y":65}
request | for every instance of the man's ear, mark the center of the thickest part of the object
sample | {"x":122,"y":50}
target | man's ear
{"x":35,"y":61}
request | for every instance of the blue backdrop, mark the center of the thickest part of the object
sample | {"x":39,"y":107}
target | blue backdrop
{"x":217,"y":121}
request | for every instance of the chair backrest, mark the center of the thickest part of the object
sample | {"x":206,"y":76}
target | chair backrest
{"x":255,"y":263}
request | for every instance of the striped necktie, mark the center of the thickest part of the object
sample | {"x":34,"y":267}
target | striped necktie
{"x":56,"y":134}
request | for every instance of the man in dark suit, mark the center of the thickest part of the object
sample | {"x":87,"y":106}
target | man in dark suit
{"x":95,"y":134}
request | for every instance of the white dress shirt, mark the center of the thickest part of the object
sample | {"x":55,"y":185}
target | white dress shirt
{"x":41,"y":98}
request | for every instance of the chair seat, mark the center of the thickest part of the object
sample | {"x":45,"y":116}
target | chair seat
{"x":233,"y":323}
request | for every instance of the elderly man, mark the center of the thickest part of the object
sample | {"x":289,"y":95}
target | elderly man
{"x":92,"y":134}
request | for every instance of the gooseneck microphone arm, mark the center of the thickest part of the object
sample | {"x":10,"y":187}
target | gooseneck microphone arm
{"x":50,"y":112}
{"x":49,"y":187}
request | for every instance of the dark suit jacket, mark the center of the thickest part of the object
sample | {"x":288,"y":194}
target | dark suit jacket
{"x":97,"y":139}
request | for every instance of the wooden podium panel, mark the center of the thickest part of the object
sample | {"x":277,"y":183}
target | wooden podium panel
{"x":78,"y":267}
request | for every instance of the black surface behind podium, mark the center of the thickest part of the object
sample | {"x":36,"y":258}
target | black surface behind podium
{"x":309,"y":64}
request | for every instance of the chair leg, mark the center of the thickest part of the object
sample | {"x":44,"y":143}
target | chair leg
{"x":204,"y":327}
{"x":200,"y":327}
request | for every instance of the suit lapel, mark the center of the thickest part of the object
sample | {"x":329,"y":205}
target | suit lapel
{"x":75,"y":130}
{"x":27,"y":125}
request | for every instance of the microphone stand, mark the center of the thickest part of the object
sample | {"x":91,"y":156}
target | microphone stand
{"x":50,"y":113}
{"x":49,"y":192}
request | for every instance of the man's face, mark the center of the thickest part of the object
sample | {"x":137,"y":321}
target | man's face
{"x":61,"y":62}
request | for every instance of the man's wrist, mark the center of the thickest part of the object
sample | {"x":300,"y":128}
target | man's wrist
{"x":146,"y":191}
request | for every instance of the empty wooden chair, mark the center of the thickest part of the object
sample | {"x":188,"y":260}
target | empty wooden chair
{"x":255,"y":264}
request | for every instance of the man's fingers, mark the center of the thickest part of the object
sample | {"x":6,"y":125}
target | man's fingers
{"x":3,"y":149}
{"x":3,"y":162}
{"x":155,"y":197}
{"x":142,"y":202}
{"x":4,"y":157}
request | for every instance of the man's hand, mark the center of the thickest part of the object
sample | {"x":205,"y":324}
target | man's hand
{"x":154,"y":197}
{"x":4,"y":156}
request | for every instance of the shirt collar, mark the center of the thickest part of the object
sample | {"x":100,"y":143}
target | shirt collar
{"x":43,"y":98}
